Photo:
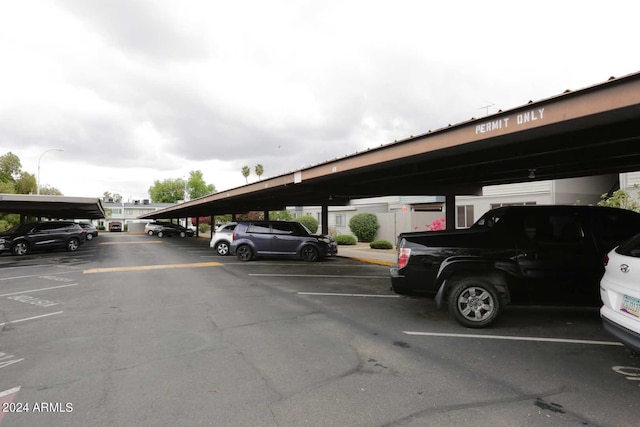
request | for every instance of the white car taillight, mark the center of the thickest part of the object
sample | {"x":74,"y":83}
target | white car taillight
{"x":403,"y":257}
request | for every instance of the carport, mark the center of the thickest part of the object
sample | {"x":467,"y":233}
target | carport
{"x":58,"y":207}
{"x":592,"y":131}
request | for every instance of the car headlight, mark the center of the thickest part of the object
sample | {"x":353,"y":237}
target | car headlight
{"x":324,"y":240}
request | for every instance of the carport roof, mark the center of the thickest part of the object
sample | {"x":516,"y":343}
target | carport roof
{"x":52,"y":206}
{"x":592,"y":131}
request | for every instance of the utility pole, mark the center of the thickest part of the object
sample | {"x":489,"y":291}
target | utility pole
{"x":40,"y":158}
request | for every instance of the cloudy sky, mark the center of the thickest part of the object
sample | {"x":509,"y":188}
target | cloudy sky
{"x":140,"y":90}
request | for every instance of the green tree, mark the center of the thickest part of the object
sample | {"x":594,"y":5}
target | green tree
{"x":280,"y":215}
{"x":197,"y":187}
{"x":13,"y":180}
{"x":167,"y":191}
{"x":310,"y":222}
{"x":364,"y":226}
{"x":7,"y":187}
{"x":51,"y":191}
{"x":26,"y":184}
{"x":621,"y":199}
{"x":8,"y":220}
{"x":10,"y":167}
{"x":259,"y":171}
{"x":246,"y":172}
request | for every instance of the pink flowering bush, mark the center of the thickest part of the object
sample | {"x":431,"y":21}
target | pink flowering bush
{"x":437,"y":225}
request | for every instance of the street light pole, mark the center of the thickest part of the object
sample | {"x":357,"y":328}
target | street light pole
{"x":40,"y":158}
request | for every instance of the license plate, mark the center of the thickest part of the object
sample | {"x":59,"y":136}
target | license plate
{"x":631,"y":306}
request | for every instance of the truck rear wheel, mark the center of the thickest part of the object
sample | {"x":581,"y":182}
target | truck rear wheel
{"x":474,"y":303}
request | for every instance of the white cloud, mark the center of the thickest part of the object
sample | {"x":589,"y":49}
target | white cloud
{"x":135,"y":91}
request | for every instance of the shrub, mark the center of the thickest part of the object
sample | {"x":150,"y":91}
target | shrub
{"x":364,"y":226}
{"x":5,"y":225}
{"x":621,"y":199}
{"x":380,"y":244}
{"x":345,"y":239}
{"x":310,"y":222}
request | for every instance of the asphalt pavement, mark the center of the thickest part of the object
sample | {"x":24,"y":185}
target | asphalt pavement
{"x":138,"y":330}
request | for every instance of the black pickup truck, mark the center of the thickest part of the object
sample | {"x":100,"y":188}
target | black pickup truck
{"x":525,"y":255}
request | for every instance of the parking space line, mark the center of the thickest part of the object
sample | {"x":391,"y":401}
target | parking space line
{"x":38,"y":275}
{"x":332,"y":294}
{"x":317,"y":275}
{"x":501,"y":337}
{"x":152,"y":267}
{"x":10,"y":391}
{"x":31,"y":318}
{"x":38,"y":290}
{"x":153,"y":242}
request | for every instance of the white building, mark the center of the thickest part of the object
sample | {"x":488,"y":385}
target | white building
{"x":398,"y":214}
{"x":127,"y":212}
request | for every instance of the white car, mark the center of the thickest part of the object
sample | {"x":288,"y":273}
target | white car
{"x":222,"y":238}
{"x":152,"y":228}
{"x":620,"y":293}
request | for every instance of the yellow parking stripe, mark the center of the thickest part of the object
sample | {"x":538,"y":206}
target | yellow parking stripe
{"x":152,"y":267}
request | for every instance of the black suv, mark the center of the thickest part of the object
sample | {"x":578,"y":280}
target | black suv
{"x":167,"y":229}
{"x":31,"y":236}
{"x":279,"y":238}
{"x":534,"y":255}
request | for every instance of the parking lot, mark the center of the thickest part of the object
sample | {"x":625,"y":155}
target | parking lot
{"x":133,"y":329}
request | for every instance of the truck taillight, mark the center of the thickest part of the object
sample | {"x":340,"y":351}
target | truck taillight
{"x":403,"y":257}
{"x":606,"y":259}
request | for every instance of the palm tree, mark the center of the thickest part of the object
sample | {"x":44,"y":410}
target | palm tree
{"x":246,"y":172}
{"x":259,"y":170}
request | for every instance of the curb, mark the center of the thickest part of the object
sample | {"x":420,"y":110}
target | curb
{"x":369,"y":260}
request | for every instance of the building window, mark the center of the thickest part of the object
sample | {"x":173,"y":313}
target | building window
{"x":116,"y":211}
{"x":464,"y":216}
{"x":341,"y":220}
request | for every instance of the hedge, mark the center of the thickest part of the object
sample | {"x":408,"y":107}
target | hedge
{"x":345,"y":239}
{"x":380,"y":244}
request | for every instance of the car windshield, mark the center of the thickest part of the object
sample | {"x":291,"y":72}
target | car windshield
{"x":304,"y":227}
{"x":20,"y":228}
{"x":631,"y":247}
{"x":226,"y":227}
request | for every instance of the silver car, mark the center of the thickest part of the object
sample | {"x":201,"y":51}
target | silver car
{"x":222,"y":238}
